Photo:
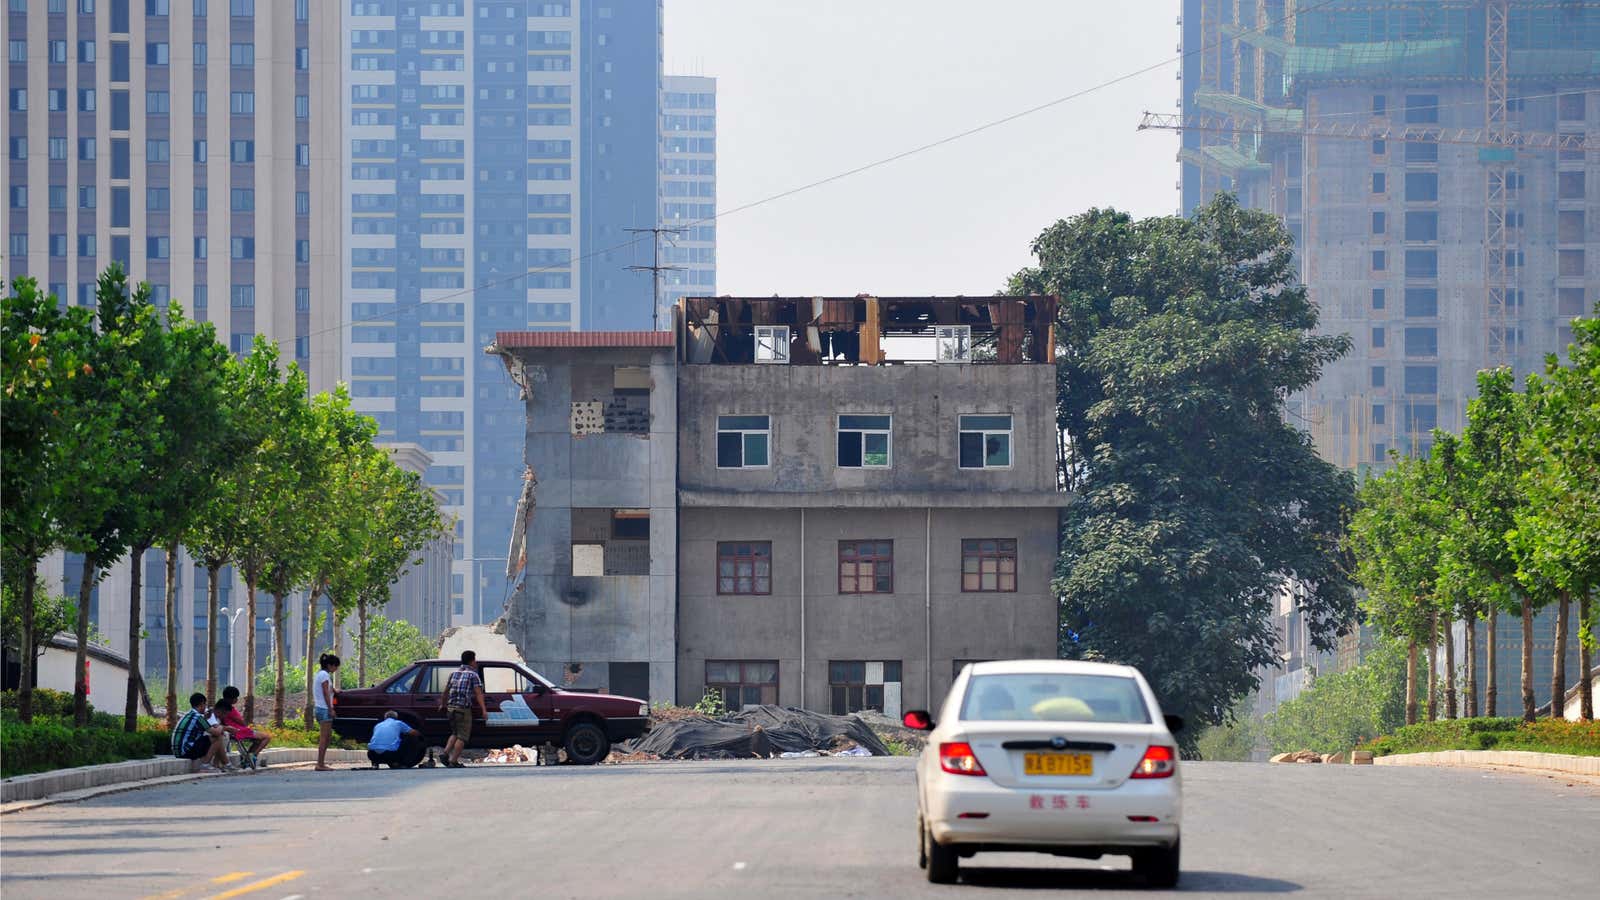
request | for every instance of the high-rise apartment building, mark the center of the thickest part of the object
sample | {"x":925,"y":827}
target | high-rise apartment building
{"x":496,"y":154}
{"x":196,"y":142}
{"x":1436,"y":163}
{"x":688,"y":189}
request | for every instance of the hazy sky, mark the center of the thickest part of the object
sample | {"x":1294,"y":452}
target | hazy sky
{"x":810,"y":88}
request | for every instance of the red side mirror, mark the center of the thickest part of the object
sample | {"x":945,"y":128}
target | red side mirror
{"x":918,"y":720}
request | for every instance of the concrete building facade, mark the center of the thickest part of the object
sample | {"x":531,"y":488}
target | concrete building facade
{"x":853,"y":527}
{"x":496,"y":154}
{"x":591,"y":591}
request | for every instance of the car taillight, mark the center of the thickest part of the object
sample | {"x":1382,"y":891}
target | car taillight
{"x":1158,"y":762}
{"x":956,"y":757}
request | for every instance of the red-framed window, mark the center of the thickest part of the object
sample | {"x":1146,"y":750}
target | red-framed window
{"x":744,"y":567}
{"x":989,"y":565}
{"x":866,"y":567}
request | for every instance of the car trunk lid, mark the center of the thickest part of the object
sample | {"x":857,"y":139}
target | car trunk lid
{"x":1112,"y":750}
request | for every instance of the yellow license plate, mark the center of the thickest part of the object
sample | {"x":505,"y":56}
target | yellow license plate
{"x":1057,"y":764}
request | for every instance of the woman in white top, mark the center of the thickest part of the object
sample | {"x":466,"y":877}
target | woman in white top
{"x":322,"y":695}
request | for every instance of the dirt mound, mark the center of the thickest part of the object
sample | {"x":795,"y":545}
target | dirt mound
{"x":755,"y":732}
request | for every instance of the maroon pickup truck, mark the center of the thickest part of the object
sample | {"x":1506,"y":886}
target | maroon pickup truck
{"x":524,"y":709}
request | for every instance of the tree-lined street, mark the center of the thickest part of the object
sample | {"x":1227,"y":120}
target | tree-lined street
{"x":783,"y":828}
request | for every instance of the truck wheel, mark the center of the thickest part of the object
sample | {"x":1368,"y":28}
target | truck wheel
{"x":586,"y":744}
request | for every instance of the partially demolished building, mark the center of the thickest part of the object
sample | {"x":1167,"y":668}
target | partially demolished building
{"x":848,"y":499}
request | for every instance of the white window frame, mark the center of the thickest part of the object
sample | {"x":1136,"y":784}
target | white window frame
{"x":887,"y":432}
{"x":772,"y":344}
{"x":952,"y":343}
{"x":987,"y":432}
{"x":744,"y":434}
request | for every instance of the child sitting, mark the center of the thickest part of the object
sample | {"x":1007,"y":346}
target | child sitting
{"x":228,"y":715}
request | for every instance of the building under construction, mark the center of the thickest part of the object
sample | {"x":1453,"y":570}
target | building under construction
{"x":1438,"y":163}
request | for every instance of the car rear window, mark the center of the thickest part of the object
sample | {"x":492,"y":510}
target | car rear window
{"x":1054,"y":697}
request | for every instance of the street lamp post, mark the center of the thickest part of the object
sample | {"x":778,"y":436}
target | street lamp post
{"x":233,"y":645}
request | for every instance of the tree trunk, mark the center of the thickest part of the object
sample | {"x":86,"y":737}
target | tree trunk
{"x":30,"y":644}
{"x":80,"y":668}
{"x":1558,"y":670}
{"x":1433,"y":666}
{"x":130,"y":709}
{"x":1585,"y":658}
{"x":1411,"y":682}
{"x":1472,"y":666}
{"x":338,"y":647}
{"x":278,"y":643}
{"x":361,"y":643}
{"x":311,"y":633}
{"x":1491,"y":660}
{"x":1527,"y":659}
{"x":212,"y":569}
{"x":1449,"y":669}
{"x":250,"y":649}
{"x":172,"y":638}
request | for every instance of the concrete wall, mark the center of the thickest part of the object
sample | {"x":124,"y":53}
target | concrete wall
{"x":925,"y":400}
{"x":571,"y":628}
{"x":866,"y":626}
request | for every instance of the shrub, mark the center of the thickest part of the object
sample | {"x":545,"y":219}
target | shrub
{"x":1543,"y":736}
{"x":46,"y":702}
{"x":51,"y":742}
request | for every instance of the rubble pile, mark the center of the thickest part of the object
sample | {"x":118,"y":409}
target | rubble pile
{"x":516,"y":753}
{"x":757,"y":732}
{"x":891,"y":730}
{"x":1298,"y":756}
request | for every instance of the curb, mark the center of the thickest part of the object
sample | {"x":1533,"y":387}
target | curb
{"x":1563,"y":763}
{"x":29,"y":791}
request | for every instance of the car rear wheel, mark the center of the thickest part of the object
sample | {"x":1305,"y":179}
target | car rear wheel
{"x":943,"y":862}
{"x":1158,"y":866}
{"x":586,"y":744}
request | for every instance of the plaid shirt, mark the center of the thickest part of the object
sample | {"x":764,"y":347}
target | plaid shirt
{"x":458,"y":693}
{"x":190,"y":729}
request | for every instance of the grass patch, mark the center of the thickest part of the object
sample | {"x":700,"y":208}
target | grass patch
{"x":1540,"y":736}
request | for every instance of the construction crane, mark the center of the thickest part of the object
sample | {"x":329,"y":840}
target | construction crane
{"x":1497,"y":157}
{"x":1365,"y":131}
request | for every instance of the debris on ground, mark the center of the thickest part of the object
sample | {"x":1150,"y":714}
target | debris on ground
{"x":757,"y":732}
{"x":618,"y":757}
{"x":890,"y":730}
{"x":516,"y":753}
{"x":1298,"y":756}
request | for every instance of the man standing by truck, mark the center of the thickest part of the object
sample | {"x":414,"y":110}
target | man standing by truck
{"x":464,"y":690}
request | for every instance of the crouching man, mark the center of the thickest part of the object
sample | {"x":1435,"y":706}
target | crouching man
{"x":395,"y":743}
{"x":197,"y":740}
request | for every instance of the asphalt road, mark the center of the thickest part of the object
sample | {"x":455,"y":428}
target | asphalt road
{"x":780,"y":828}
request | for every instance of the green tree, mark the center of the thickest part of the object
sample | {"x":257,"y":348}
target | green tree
{"x":393,"y":644}
{"x":1231,"y":741}
{"x":1556,"y":537}
{"x":1338,"y":712}
{"x":50,"y":441}
{"x":51,"y":614}
{"x":1179,"y":341}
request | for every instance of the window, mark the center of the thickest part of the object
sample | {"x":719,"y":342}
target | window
{"x":58,"y":245}
{"x":119,"y":61}
{"x":19,"y":99}
{"x":199,"y":103}
{"x":864,"y":442}
{"x":866,"y":567}
{"x":86,"y":51}
{"x":1422,"y":303}
{"x":1380,"y":147}
{"x":19,"y":196}
{"x":56,"y":100}
{"x":86,"y":148}
{"x":242,"y":296}
{"x":1377,"y":376}
{"x":200,"y":151}
{"x":86,"y":200}
{"x":57,"y":147}
{"x":1422,"y":187}
{"x":1377,"y":298}
{"x":1113,"y":699}
{"x":952,"y":343}
{"x":19,"y":244}
{"x":1569,"y":301}
{"x":243,"y":9}
{"x":1422,"y":109}
{"x":1380,"y":182}
{"x":1377,"y":337}
{"x":988,"y":565}
{"x":1380,"y":260}
{"x":157,"y":7}
{"x":1569,"y":186}
{"x":1422,"y":263}
{"x":201,"y":196}
{"x":243,"y":248}
{"x":1569,"y":226}
{"x":1422,"y":226}
{"x":742,"y":441}
{"x":1421,"y":380}
{"x":19,"y":51}
{"x":242,"y":151}
{"x":744,"y":568}
{"x":199,"y":53}
{"x":1422,"y":342}
{"x":157,"y":54}
{"x":772,"y":343}
{"x":1380,"y":105}
{"x":202,"y":248}
{"x":120,"y":116}
{"x":1570,"y":108}
{"x":856,"y":685}
{"x":1380,"y":222}
{"x":86,"y":100}
{"x":241,"y":54}
{"x":1379,"y":414}
{"x":242,"y":103}
{"x":242,"y":199}
{"x":1422,"y":152}
{"x":743,"y":683}
{"x":1569,"y":263}
{"x":157,"y":199}
{"x":985,"y":442}
{"x":157,"y":247}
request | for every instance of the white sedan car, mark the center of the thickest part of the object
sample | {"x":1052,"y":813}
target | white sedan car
{"x":1053,"y":756}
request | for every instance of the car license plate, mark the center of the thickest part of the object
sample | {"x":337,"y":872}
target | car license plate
{"x":1057,"y":764}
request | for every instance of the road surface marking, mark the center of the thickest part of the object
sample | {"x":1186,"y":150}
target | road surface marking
{"x":254,"y":886}
{"x":231,"y":876}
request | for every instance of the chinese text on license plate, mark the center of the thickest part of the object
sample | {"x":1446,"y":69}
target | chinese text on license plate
{"x":1057,"y":764}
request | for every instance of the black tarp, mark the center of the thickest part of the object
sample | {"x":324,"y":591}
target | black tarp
{"x":755,"y":732}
